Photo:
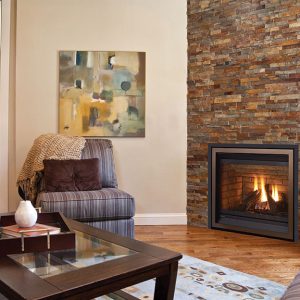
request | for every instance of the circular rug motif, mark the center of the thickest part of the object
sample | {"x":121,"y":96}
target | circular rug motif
{"x":235,"y":287}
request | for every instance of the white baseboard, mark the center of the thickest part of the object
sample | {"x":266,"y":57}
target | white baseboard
{"x":161,"y":219}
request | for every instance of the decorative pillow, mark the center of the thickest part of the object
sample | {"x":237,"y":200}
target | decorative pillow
{"x":58,"y":176}
{"x":72,"y":175}
{"x":87,"y":174}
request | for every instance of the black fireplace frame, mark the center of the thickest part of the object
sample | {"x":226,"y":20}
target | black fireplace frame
{"x":291,"y":151}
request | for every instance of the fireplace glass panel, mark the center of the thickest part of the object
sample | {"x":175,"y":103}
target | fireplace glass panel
{"x":252,"y":187}
{"x":257,"y":189}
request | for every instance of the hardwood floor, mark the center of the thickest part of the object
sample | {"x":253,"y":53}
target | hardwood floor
{"x":273,"y":259}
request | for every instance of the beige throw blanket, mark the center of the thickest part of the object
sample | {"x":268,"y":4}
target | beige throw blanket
{"x":46,"y":146}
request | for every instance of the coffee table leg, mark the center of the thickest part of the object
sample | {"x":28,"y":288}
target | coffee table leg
{"x":165,"y":285}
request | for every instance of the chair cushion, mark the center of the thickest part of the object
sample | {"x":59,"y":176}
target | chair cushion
{"x":102,"y":149}
{"x":293,"y":290}
{"x":107,"y":203}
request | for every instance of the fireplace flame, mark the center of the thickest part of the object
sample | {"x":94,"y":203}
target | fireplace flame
{"x":264,"y":196}
{"x":275,"y":194}
{"x":262,"y":190}
{"x":255,"y":188}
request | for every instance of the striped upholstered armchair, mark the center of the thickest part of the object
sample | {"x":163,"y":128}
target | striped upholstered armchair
{"x":109,"y":208}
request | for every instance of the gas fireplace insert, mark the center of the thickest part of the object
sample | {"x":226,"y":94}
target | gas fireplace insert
{"x":254,"y":189}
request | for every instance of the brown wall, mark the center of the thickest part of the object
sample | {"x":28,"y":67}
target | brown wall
{"x":243,"y":81}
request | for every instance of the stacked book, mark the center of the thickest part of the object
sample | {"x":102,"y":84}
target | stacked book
{"x":36,"y":230}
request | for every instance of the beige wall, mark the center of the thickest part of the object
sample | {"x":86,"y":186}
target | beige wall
{"x":7,"y":100}
{"x":153,"y":168}
{"x":4,"y":96}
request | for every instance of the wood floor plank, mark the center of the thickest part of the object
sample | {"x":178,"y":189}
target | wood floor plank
{"x":272,"y":259}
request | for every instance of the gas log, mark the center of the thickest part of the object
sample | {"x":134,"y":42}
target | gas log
{"x":253,"y":203}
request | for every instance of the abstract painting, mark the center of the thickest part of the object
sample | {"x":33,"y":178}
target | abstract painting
{"x":102,"y":93}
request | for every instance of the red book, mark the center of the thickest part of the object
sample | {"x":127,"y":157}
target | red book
{"x":36,"y":230}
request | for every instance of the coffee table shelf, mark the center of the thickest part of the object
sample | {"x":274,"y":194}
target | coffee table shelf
{"x":63,"y":240}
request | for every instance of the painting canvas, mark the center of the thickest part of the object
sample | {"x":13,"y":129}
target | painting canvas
{"x":102,"y":93}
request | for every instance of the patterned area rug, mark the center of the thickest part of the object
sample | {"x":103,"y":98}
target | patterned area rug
{"x":201,"y":280}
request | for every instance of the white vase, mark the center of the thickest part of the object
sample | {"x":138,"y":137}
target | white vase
{"x":25,"y":215}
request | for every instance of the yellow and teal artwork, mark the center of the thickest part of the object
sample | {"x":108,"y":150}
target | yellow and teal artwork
{"x":102,"y":93}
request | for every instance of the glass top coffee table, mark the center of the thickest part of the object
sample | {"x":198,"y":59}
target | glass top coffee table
{"x":102,"y":263}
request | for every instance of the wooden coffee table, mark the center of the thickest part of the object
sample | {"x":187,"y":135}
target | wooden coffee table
{"x":102,"y":263}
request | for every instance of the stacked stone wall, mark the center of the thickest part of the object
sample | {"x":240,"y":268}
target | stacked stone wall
{"x":243,"y":82}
